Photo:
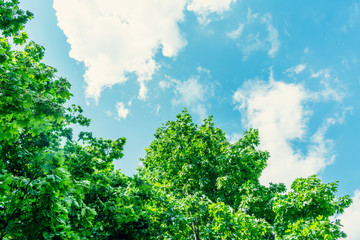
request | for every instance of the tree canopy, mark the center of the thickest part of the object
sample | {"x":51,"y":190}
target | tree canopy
{"x":213,"y":187}
{"x":194,"y":183}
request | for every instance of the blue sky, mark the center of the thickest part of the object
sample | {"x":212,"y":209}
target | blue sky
{"x":289,"y":68}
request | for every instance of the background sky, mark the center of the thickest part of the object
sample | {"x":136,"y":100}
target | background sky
{"x":288,"y":68}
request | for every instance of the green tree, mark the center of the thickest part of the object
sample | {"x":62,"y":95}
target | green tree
{"x":117,"y":199}
{"x":307,"y":211}
{"x":53,"y":186}
{"x":34,"y":182}
{"x":209,"y":189}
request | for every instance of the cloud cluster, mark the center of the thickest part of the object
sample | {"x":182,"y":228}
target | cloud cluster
{"x":279,"y":111}
{"x":254,"y":41}
{"x":113,"y":38}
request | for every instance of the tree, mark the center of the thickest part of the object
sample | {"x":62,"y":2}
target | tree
{"x":211,"y":190}
{"x":34,"y":182}
{"x":52,"y":186}
{"x":308,"y":210}
{"x":118,"y":200}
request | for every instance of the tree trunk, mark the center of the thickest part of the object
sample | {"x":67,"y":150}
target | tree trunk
{"x":196,"y":231}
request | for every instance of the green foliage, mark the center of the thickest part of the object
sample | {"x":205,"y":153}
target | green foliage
{"x":52,"y":187}
{"x":307,"y":210}
{"x":12,"y":20}
{"x":186,"y":160}
{"x":194,"y":184}
{"x":208,"y":188}
{"x":34,"y":179}
{"x":198,"y":167}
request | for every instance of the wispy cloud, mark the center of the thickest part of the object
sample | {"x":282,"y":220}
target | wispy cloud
{"x":353,"y":17}
{"x":158,"y":107}
{"x":333,"y":89}
{"x":279,"y":110}
{"x":114,"y":38}
{"x":191,"y":93}
{"x":295,"y":70}
{"x":273,"y":35}
{"x":255,"y":41}
{"x":108,"y":113}
{"x":235,"y":34}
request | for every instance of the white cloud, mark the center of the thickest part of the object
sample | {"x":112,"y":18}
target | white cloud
{"x":254,"y":41}
{"x":350,"y":218}
{"x":203,"y":8}
{"x":235,"y":34}
{"x":296,"y":70}
{"x":191,"y":94}
{"x":279,"y":111}
{"x":122,"y":112}
{"x":114,"y":38}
